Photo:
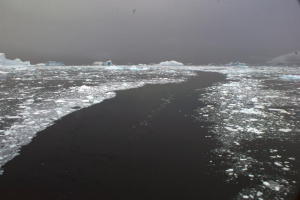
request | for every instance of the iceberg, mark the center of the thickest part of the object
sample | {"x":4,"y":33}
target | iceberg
{"x":171,"y":63}
{"x":100,"y":63}
{"x":54,"y":63}
{"x":7,"y":62}
{"x":236,"y":64}
{"x":287,"y":59}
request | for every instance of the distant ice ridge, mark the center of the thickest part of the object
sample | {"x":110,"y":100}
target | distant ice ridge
{"x":16,"y":62}
{"x":290,"y":77}
{"x":171,"y":63}
{"x":287,"y":59}
{"x":236,"y":64}
{"x":131,"y":68}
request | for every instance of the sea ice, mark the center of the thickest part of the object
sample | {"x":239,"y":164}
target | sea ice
{"x":272,"y":185}
{"x":251,"y":111}
{"x":278,"y":164}
{"x":290,"y":77}
{"x":285,"y":130}
{"x":259,"y":193}
{"x":279,"y":110}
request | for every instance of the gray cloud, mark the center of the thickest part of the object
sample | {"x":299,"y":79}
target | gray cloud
{"x":197,"y":31}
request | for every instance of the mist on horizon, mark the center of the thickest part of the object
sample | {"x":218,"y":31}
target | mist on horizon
{"x":132,"y":31}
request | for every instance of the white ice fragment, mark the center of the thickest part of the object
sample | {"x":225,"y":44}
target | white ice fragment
{"x":231,"y":129}
{"x":259,"y":106}
{"x":229,"y":170}
{"x":266,"y":183}
{"x":90,"y":97}
{"x":84,"y":88}
{"x":251,"y":175}
{"x":12,"y":117}
{"x":272,"y":185}
{"x":245,"y":197}
{"x":285,"y":130}
{"x":251,"y":111}
{"x":254,"y":130}
{"x":60,"y":101}
{"x":259,"y":193}
{"x":279,"y":110}
{"x":7,"y":133}
{"x":278,"y":164}
{"x":254,"y":99}
{"x":290,"y":77}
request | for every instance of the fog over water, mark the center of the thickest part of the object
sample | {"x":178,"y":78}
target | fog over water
{"x":132,"y":31}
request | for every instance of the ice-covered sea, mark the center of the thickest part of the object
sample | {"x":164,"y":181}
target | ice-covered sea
{"x":252,"y":114}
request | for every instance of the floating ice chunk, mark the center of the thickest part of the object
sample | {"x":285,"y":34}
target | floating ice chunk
{"x":60,"y":101}
{"x":259,"y":106}
{"x":292,"y":158}
{"x":254,"y":130}
{"x":279,"y":110}
{"x":245,"y":197}
{"x":254,"y":99}
{"x":278,"y":164}
{"x":90,"y":97}
{"x":12,"y":117}
{"x":272,"y":185}
{"x":273,"y":150}
{"x":231,"y":129}
{"x":229,"y":170}
{"x":259,"y":194}
{"x":286,"y":169}
{"x":251,"y":111}
{"x":84,"y":88}
{"x":285,"y":130}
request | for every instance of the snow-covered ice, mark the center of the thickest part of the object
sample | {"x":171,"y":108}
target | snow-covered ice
{"x":171,"y":63}
{"x":8,"y":62}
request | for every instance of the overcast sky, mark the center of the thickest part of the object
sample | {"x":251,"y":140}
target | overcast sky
{"x":191,"y":31}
